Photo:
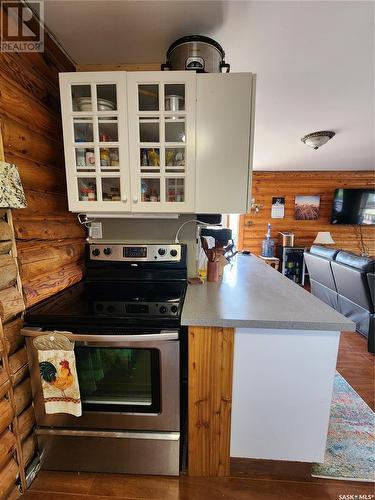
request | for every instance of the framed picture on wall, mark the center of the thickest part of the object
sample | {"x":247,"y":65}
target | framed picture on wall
{"x":277,"y":210}
{"x":306,"y":207}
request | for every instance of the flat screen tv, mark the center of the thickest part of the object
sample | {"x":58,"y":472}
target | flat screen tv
{"x":353,"y":206}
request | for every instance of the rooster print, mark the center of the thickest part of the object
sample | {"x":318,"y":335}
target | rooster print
{"x":60,"y":387}
{"x":61,"y":378}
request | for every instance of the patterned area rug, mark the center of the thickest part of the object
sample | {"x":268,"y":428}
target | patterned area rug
{"x":350,"y":452}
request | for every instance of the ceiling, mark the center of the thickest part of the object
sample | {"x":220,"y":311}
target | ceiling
{"x":314,"y":62}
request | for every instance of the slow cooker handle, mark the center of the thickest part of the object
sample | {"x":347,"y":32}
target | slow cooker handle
{"x":223,"y":64}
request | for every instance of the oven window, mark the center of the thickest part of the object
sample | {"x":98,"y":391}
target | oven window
{"x":119,"y":379}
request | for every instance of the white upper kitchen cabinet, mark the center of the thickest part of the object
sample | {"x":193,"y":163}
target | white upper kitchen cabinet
{"x":161,"y":118}
{"x":224,"y":142}
{"x":95,"y":128}
{"x":158,"y":141}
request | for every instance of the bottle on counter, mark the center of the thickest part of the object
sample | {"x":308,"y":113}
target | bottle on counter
{"x":268,"y":245}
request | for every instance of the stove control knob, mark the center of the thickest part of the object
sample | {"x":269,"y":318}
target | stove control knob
{"x":173,"y":252}
{"x":162,"y":309}
{"x":161,"y":251}
{"x":174,"y":309}
{"x":107,"y":251}
{"x":111,"y":309}
{"x":96,"y":252}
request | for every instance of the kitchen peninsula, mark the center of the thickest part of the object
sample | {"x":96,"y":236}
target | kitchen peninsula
{"x":262,"y":359}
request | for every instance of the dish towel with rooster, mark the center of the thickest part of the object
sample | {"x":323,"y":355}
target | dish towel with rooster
{"x":59,"y":382}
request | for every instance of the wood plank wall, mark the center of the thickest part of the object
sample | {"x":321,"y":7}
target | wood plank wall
{"x":253,"y":226}
{"x":49,"y":239}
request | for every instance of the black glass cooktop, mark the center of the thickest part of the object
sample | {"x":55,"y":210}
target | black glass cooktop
{"x":110,"y":304}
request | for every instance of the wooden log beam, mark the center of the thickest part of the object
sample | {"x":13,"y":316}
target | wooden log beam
{"x":36,"y":176}
{"x":17,"y":360}
{"x":3,"y":375}
{"x":5,"y":237}
{"x":7,"y":446}
{"x":210,"y":399}
{"x":22,"y":373}
{"x":8,"y":476}
{"x":26,"y":422}
{"x":28,"y":449}
{"x":5,"y":386}
{"x":43,"y":203}
{"x":37,"y":258}
{"x":8,"y":271}
{"x":12,"y":337}
{"x":46,"y":285}
{"x":38,"y":118}
{"x":51,"y":229}
{"x":11,"y":303}
{"x":20,"y":140}
{"x":5,"y":247}
{"x":22,"y":396}
{"x":28,"y":82}
{"x":6,"y":414}
{"x":5,"y":231}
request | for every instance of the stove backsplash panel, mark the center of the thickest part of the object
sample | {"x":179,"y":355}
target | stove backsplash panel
{"x":152,"y":231}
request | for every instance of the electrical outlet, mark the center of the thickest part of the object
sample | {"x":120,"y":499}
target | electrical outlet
{"x":95,"y":230}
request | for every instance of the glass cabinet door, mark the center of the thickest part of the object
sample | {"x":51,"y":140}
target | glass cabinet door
{"x":94,"y":112}
{"x":162,"y":140}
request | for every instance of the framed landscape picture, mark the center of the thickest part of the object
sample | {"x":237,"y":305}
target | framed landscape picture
{"x":306,"y":207}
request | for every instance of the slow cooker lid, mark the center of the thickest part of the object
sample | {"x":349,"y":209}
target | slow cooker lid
{"x":196,"y":38}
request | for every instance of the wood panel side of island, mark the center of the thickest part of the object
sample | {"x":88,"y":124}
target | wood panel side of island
{"x":209,"y":400}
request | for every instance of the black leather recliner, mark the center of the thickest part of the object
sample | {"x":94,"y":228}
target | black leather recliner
{"x":318,"y":262}
{"x":345,"y":281}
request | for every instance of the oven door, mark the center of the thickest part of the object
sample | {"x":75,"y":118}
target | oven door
{"x":126,"y":381}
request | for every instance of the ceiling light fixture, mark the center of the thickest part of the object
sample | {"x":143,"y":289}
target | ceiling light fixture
{"x":317,"y":139}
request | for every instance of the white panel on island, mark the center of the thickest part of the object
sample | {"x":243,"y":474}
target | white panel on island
{"x":282,"y":390}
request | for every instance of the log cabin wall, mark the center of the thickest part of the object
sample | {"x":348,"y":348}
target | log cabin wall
{"x":17,"y":440}
{"x":48,"y":240}
{"x":12,"y":366}
{"x":266,"y":185}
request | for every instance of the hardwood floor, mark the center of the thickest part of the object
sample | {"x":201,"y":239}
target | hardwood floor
{"x":354,"y":364}
{"x":357,"y":366}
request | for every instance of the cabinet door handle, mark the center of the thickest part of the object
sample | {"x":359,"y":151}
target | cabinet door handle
{"x":124,"y":199}
{"x":135,"y":200}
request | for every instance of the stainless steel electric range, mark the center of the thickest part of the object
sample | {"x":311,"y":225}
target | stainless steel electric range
{"x":124,"y":319}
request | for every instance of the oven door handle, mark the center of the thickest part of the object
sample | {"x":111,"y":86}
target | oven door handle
{"x":104,"y":339}
{"x":165,"y":436}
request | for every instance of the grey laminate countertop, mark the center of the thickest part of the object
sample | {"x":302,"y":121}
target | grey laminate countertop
{"x":254,"y":295}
